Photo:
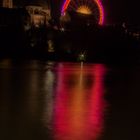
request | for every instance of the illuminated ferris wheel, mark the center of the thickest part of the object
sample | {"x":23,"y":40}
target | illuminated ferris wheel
{"x":87,"y":7}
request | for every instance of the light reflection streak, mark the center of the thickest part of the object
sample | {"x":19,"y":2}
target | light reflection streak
{"x":49,"y":90}
{"x":79,"y":110}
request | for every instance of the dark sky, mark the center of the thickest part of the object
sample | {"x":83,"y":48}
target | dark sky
{"x":123,"y":10}
{"x":116,"y":11}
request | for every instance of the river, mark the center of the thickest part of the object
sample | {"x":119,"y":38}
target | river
{"x":44,"y":100}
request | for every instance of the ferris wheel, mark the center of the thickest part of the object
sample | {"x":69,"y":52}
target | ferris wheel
{"x":87,"y":7}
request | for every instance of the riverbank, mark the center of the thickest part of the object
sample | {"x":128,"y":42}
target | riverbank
{"x":102,"y":44}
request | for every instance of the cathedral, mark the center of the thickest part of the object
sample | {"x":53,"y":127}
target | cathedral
{"x":39,"y":14}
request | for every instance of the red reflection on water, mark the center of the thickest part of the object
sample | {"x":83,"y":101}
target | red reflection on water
{"x":79,"y":108}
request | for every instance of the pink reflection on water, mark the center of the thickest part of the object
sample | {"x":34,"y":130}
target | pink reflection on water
{"x":79,"y":108}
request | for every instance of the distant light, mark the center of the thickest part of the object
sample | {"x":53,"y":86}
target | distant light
{"x":50,"y":46}
{"x":62,"y":29}
{"x":81,"y":57}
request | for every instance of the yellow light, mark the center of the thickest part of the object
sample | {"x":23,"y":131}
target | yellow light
{"x":83,"y":9}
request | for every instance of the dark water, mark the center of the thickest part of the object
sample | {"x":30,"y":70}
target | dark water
{"x":68,"y":101}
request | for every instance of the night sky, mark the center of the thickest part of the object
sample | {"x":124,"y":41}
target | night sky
{"x":116,"y":11}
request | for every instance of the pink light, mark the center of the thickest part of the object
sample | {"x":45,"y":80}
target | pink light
{"x":99,"y":4}
{"x":76,"y":118}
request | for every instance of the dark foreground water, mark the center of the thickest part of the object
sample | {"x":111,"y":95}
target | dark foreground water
{"x":68,"y":101}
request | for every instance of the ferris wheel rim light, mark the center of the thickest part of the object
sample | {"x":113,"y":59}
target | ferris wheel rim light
{"x":99,"y":4}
